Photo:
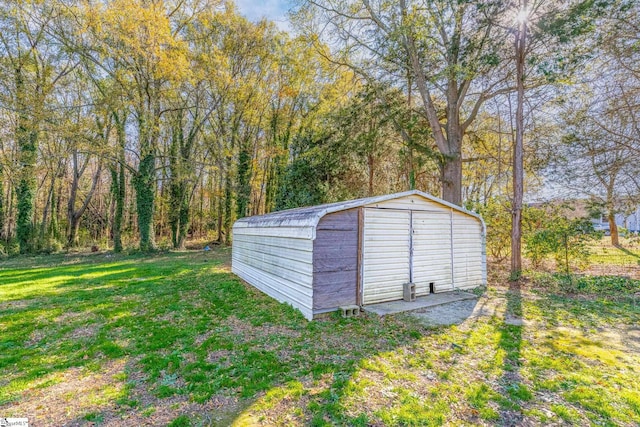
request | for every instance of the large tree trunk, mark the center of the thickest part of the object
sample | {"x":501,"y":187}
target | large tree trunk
{"x":179,"y":215}
{"x":27,"y":140}
{"x":220,"y":210}
{"x":452,"y":150}
{"x":53,"y":223}
{"x":176,"y":187}
{"x":452,"y":179}
{"x":228,"y":188}
{"x":243,"y":179}
{"x":74,"y":215}
{"x":145,"y":179}
{"x":184,"y":224}
{"x":2,"y":205}
{"x":518,"y":154}
{"x":228,"y":205}
{"x":182,"y":173}
{"x":118,"y":184}
{"x":48,"y":206}
{"x":10,"y":198}
{"x":145,"y":198}
{"x":118,"y":191}
{"x":449,"y":144}
{"x":74,"y":226}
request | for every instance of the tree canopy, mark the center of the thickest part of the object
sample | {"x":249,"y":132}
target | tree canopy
{"x":146,"y":123}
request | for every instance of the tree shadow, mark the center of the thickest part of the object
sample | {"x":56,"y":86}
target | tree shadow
{"x":512,"y":388}
{"x":199,"y":337}
{"x":627,"y":251}
{"x":204,"y":340}
{"x":387,"y":336}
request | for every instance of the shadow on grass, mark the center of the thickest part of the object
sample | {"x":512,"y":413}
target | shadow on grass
{"x":192,"y":335}
{"x":627,"y":251}
{"x":327,"y":396}
{"x":512,"y":388}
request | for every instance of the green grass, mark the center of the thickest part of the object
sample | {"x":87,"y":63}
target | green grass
{"x":586,"y":285}
{"x":604,"y":253}
{"x":175,"y":339}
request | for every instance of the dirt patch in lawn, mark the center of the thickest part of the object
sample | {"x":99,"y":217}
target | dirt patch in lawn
{"x":80,"y":397}
{"x":88,"y":331}
{"x":153,"y":410}
{"x":247,"y":332}
{"x":287,"y":405}
{"x":70,"y":394}
{"x":15,"y":305}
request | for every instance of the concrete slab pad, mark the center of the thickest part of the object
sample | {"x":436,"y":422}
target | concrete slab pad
{"x":453,"y":313}
{"x":433,"y":300}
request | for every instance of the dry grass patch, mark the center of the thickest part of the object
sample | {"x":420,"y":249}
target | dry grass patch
{"x":70,"y":395}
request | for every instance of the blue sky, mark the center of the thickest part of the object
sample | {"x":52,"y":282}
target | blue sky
{"x":274,"y":10}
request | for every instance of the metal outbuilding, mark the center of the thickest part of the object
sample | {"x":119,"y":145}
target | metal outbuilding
{"x":361,"y":251}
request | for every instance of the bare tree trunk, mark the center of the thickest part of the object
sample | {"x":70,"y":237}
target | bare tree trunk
{"x":518,"y":152}
{"x":611,"y":210}
{"x":613,"y":228}
{"x":2,"y":205}
{"x":185,"y":212}
{"x":73,"y":192}
{"x":449,"y":144}
{"x":47,"y":206}
{"x":118,"y":182}
{"x":73,"y":214}
{"x":58,"y":209}
{"x":452,"y":180}
{"x":228,"y":205}
{"x":220,"y":206}
{"x":371,"y":163}
{"x":26,"y":136}
{"x":10,"y":207}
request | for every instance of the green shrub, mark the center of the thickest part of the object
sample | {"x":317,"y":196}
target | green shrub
{"x":48,"y":245}
{"x":497,"y":216}
{"x":564,"y":239}
{"x":12,"y":247}
{"x":562,"y":283}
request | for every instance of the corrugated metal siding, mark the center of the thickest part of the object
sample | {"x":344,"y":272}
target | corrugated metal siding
{"x":310,"y":215}
{"x":385,"y":254}
{"x":467,"y":252}
{"x":281,"y":267}
{"x":413,"y":202}
{"x":448,"y":257}
{"x":431,"y":251}
{"x":275,"y":252}
{"x":335,"y":261}
{"x":296,"y":232}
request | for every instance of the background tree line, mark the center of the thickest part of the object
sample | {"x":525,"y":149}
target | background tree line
{"x":132,"y":121}
{"x":144,"y":122}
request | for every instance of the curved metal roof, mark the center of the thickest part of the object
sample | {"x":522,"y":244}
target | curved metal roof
{"x":309,"y":216}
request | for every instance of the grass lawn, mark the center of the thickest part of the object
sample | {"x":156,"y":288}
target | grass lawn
{"x":621,"y":260}
{"x":176,"y":339}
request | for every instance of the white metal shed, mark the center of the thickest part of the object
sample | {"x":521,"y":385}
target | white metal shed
{"x":361,"y":251}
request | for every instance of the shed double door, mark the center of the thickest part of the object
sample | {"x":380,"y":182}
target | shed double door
{"x":402,"y":246}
